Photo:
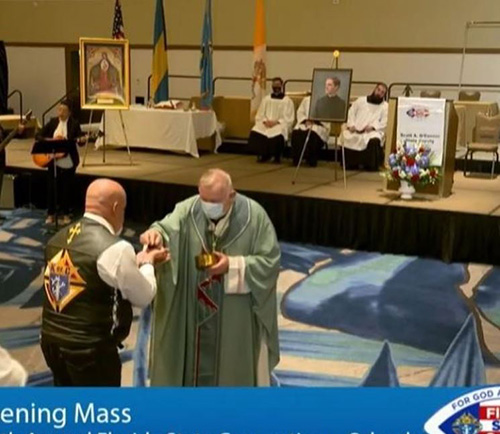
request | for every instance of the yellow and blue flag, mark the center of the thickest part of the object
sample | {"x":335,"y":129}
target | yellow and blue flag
{"x":159,"y":80}
{"x":206,"y":65}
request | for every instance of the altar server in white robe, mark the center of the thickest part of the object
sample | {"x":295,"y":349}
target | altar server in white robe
{"x":366,"y":124}
{"x":273,"y":123}
{"x":318,"y":138}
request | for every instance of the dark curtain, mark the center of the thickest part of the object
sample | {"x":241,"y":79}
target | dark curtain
{"x":4,"y":79}
{"x":445,"y":235}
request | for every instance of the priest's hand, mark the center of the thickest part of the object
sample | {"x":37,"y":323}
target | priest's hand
{"x":369,"y":129}
{"x":221,"y":267}
{"x":352,"y":129}
{"x":153,"y":256}
{"x":151,"y":238}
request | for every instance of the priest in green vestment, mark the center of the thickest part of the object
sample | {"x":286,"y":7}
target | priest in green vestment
{"x":215,"y":326}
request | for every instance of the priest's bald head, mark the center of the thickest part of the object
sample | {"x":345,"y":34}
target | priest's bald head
{"x":216,"y":193}
{"x":107,"y":198}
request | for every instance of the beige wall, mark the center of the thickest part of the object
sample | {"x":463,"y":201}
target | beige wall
{"x":40,"y":75}
{"x":44,"y":84}
{"x":352,"y":23}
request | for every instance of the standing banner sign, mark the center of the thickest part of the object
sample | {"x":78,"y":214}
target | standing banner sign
{"x":422,"y":121}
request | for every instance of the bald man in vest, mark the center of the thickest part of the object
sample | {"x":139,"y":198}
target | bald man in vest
{"x":91,"y":280}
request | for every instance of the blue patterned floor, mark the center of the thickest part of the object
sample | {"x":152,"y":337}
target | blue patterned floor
{"x":336,"y":309}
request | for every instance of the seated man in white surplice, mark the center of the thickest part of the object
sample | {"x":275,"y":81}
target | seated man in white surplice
{"x":365,"y":130}
{"x":273,"y":123}
{"x":318,"y":137}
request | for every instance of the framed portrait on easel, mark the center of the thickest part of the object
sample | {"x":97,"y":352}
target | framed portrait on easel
{"x":330,"y":93}
{"x":104,"y":73}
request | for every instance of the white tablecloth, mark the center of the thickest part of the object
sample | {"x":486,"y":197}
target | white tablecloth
{"x":170,"y":130}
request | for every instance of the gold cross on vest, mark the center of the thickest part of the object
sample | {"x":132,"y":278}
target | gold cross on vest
{"x":74,"y":231}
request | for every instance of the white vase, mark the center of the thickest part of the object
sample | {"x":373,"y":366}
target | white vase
{"x":407,"y":190}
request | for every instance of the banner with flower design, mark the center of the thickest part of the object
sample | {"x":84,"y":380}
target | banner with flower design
{"x":422,"y":121}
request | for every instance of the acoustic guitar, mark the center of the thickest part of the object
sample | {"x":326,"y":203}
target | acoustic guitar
{"x":10,"y":136}
{"x":43,"y":160}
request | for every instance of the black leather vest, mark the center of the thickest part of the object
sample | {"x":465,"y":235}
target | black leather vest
{"x":80,"y":309}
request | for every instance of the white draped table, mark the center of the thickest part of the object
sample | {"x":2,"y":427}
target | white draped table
{"x":169,"y":130}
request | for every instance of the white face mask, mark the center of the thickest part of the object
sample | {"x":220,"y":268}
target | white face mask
{"x":213,"y":211}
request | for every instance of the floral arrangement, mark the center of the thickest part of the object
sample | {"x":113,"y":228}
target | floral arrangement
{"x":411,"y":163}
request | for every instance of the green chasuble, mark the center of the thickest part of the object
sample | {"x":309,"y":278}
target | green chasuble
{"x":203,"y":334}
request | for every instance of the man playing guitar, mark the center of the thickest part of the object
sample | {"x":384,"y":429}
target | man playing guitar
{"x":62,"y":127}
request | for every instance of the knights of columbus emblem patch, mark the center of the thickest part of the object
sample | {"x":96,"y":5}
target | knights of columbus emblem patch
{"x":477,"y":412}
{"x":62,"y":281}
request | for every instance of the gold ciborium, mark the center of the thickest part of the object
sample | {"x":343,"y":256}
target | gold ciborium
{"x":205,"y":260}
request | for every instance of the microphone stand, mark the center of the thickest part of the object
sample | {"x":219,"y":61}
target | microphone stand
{"x":56,"y":213}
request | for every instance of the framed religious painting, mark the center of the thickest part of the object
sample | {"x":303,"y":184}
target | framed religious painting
{"x":104,"y":73}
{"x":330,"y":95}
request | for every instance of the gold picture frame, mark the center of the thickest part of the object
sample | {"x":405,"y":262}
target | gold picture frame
{"x":104,"y":73}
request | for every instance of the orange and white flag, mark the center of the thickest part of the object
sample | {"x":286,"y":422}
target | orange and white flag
{"x":259,"y":58}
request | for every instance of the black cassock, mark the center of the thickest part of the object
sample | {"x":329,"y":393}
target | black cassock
{"x":314,"y":145}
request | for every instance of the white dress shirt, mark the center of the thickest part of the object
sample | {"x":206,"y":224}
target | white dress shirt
{"x":117,"y":267}
{"x":62,"y":131}
{"x":12,"y":374}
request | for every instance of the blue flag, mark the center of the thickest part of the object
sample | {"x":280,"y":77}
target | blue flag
{"x":206,"y":70}
{"x":159,"y":81}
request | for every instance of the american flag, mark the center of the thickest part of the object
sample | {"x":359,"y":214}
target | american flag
{"x":118,"y":29}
